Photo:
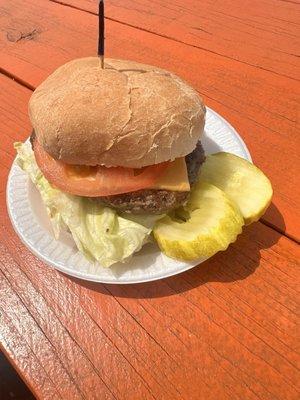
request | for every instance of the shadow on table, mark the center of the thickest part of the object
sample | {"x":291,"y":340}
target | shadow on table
{"x":237,"y":263}
{"x":11,"y":385}
{"x":275,"y":219}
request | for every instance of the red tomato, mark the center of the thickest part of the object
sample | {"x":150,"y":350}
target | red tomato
{"x":95,"y":181}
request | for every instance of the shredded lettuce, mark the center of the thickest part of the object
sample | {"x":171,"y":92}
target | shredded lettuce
{"x":99,"y":232}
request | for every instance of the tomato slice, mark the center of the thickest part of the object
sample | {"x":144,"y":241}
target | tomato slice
{"x":95,"y":181}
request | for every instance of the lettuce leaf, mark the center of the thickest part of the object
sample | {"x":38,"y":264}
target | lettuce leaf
{"x":99,"y":232}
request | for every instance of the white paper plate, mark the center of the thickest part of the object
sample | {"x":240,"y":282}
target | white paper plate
{"x":30,"y":221}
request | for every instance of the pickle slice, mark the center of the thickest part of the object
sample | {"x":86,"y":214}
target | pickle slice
{"x":207,"y":224}
{"x":242,"y":181}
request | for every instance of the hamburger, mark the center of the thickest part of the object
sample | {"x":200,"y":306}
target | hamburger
{"x":112,"y":151}
{"x":126,"y":136}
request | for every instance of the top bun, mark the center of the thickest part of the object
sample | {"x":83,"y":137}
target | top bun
{"x":127,"y":114}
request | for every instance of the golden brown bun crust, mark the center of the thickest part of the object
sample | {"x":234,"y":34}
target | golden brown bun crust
{"x":128,"y":114}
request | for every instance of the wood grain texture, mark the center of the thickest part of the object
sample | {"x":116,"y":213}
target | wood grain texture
{"x":264,"y":34}
{"x":262,"y":106}
{"x":225,"y":330}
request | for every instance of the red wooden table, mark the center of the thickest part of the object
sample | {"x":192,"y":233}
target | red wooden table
{"x":224,"y":330}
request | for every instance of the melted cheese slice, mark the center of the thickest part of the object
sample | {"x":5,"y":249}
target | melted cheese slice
{"x":175,"y":177}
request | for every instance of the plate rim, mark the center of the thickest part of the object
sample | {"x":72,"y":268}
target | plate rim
{"x":91,"y":277}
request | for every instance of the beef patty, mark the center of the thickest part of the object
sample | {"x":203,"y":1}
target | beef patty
{"x":154,"y":201}
{"x":157,"y":201}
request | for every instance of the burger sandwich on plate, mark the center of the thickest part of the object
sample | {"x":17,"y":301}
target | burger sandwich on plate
{"x":116,"y":155}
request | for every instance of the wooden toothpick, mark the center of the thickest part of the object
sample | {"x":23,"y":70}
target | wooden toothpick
{"x":101,"y":32}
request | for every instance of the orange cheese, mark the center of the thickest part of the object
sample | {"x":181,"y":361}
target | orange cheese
{"x":175,"y":177}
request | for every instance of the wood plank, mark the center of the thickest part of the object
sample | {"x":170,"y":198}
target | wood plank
{"x":225,"y":330}
{"x":262,"y":106}
{"x":17,"y":349}
{"x":50,"y":341}
{"x":34,"y":336}
{"x":259,"y":33}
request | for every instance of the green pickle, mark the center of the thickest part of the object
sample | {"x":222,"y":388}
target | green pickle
{"x":207,"y":224}
{"x":242,"y":181}
{"x":231,"y":192}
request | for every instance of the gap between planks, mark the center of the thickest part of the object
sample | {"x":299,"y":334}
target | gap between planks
{"x":16,"y":79}
{"x":171,"y":38}
{"x":30,"y":87}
